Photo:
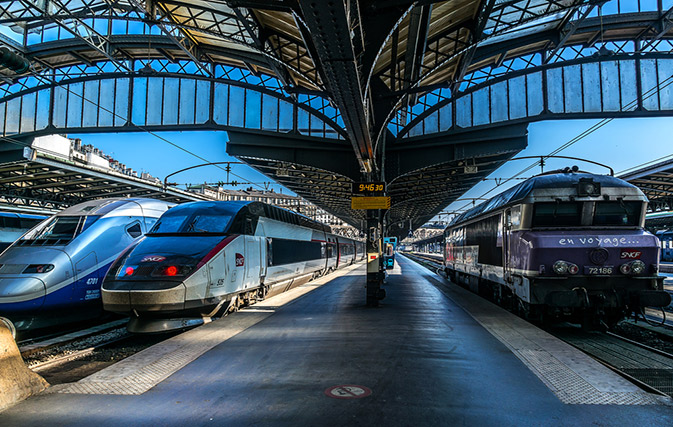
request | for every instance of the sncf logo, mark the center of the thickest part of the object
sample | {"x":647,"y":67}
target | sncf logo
{"x":240,"y":260}
{"x":153,"y":258}
{"x":630,"y":254}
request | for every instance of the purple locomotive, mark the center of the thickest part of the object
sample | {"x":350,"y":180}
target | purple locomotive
{"x":562,"y":245}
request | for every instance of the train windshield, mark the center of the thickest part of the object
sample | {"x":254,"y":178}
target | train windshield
{"x":557,"y":214}
{"x":61,"y":228}
{"x":193,"y":223}
{"x":618,"y":213}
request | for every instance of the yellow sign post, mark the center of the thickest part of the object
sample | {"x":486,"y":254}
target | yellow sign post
{"x":370,"y":202}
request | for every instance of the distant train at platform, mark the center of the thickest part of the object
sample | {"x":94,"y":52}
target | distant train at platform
{"x":14,"y":224}
{"x":565,"y":245}
{"x":203,"y":259}
{"x":666,"y":239}
{"x":52,"y":275}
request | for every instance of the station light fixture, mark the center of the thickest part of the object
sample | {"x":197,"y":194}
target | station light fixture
{"x":588,"y":188}
{"x":14,"y":62}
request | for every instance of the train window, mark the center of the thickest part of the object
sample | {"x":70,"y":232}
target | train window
{"x":169,"y":224}
{"x":149,"y":222}
{"x":134,"y":230}
{"x":248,"y":227}
{"x":557,"y":214}
{"x":59,"y":227}
{"x":11,"y":222}
{"x":29,"y":222}
{"x":208,"y":224}
{"x":617,"y":213}
{"x":515,"y":218}
{"x":88,"y":221}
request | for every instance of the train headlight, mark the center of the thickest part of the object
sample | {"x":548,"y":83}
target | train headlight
{"x":560,"y":267}
{"x":38,"y":268}
{"x":633,"y":268}
{"x":172,"y":270}
{"x":573,"y":269}
{"x":637,"y":267}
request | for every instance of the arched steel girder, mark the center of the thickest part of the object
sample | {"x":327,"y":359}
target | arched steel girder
{"x":493,"y":20}
{"x":243,"y":76}
{"x":265,"y":48}
{"x":576,"y":38}
{"x":593,"y":87}
{"x":118,"y":102}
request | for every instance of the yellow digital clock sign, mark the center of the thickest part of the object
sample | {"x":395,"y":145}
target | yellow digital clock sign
{"x":369,"y":188}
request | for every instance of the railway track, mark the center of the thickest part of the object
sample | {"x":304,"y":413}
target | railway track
{"x":76,"y":360}
{"x":57,"y":361}
{"x":644,"y":365}
{"x":42,"y":343}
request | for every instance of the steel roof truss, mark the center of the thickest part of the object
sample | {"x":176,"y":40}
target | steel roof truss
{"x":79,"y":29}
{"x":178,"y":36}
{"x":569,"y":27}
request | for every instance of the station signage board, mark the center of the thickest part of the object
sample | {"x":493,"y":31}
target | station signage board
{"x":365,"y":202}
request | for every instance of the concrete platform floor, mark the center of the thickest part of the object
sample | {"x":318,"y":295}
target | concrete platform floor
{"x":424,"y":358}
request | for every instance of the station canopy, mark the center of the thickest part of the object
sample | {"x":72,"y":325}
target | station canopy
{"x":370,"y":75}
{"x":656,"y":181}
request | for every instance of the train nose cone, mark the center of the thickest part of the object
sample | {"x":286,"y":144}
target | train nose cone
{"x":18,"y":294}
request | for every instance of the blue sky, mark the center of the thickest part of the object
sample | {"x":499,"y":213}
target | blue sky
{"x":621,"y":144}
{"x":145,"y":152}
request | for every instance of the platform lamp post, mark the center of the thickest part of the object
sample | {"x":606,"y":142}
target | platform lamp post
{"x":370,"y":196}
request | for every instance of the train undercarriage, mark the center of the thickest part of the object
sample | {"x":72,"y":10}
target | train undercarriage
{"x":592,"y":307}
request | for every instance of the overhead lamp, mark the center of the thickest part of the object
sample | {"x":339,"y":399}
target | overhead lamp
{"x":14,"y":62}
{"x":146,"y":69}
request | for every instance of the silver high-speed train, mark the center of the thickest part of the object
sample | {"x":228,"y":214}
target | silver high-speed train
{"x":53,"y":273}
{"x":202,"y":258}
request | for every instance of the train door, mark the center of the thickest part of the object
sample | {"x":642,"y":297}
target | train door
{"x":88,"y":278}
{"x":339,"y":248}
{"x":254,"y":254}
{"x":216,"y":275}
{"x":506,"y":245}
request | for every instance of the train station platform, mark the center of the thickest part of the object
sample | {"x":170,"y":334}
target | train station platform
{"x":429,"y":355}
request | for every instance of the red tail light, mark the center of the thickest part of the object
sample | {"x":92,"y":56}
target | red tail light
{"x":129,"y":271}
{"x":172,"y":270}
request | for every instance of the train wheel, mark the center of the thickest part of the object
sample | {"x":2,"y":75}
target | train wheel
{"x":263,"y":291}
{"x":612,"y":318}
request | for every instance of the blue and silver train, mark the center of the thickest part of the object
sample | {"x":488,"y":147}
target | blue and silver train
{"x":203,"y":258}
{"x":52,"y":275}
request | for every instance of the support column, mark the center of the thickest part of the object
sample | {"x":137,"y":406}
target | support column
{"x":375,"y":273}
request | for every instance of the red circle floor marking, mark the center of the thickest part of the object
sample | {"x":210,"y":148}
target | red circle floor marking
{"x":348,"y":391}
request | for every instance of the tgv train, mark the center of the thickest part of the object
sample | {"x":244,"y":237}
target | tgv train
{"x":565,"y":244}
{"x":53,"y":273}
{"x":203,"y":258}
